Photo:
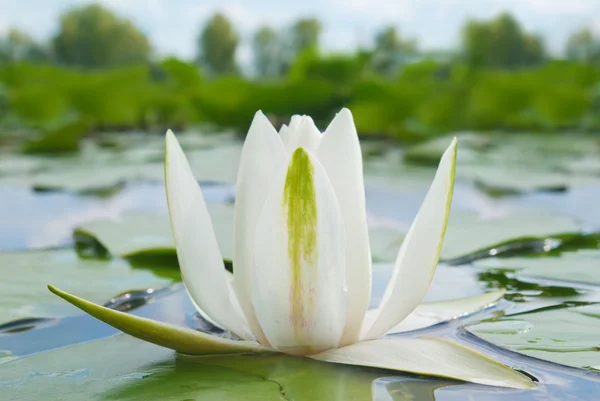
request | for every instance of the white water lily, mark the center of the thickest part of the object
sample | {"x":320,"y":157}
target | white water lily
{"x":302,"y":264}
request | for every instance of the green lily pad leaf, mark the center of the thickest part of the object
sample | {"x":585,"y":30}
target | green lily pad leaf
{"x":82,"y":179}
{"x":16,"y":164}
{"x":505,"y":180}
{"x":572,"y":267}
{"x":521,"y":163}
{"x":132,"y":234}
{"x":126,"y":369}
{"x":542,"y":334}
{"x":62,"y":139}
{"x":588,"y":166}
{"x":23,"y":292}
{"x":467,"y":233}
{"x":96,"y":169}
{"x":180,"y":339}
{"x":142,"y":235}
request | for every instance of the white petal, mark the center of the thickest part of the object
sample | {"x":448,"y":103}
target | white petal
{"x":431,"y":357}
{"x":339,"y":153}
{"x":298,"y":290}
{"x":197,"y":248}
{"x":420,"y":251}
{"x":295,"y":121}
{"x":263,"y":156}
{"x":428,"y":314}
{"x":302,"y":133}
{"x":284,"y":133}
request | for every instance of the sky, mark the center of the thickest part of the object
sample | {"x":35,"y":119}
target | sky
{"x":173,"y":25}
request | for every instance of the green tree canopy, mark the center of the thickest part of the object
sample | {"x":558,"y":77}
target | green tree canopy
{"x":267,"y":49}
{"x":583,"y":46}
{"x":501,"y":43}
{"x":19,"y":46}
{"x":93,"y":37}
{"x":304,"y":34}
{"x":391,"y":51}
{"x":217,"y":45}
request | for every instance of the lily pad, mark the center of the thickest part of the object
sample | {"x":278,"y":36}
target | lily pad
{"x":574,"y":267}
{"x":468,"y":233}
{"x":501,"y":164}
{"x":542,"y":334}
{"x":124,"y":368}
{"x":506,"y":180}
{"x":145,"y":234}
{"x":470,"y":236}
{"x":23,"y":291}
{"x":99,"y":169}
{"x":62,"y":139}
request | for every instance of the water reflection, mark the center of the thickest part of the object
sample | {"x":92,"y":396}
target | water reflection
{"x":32,"y":219}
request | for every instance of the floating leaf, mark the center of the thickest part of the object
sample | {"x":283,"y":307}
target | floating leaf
{"x":23,"y":291}
{"x":570,"y":267}
{"x":568,"y":336}
{"x":59,"y":140}
{"x":468,"y":233}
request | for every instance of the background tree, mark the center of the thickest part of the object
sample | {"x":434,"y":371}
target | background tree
{"x":217,"y":46}
{"x":94,"y":37}
{"x":305,"y":34}
{"x":391,"y":51}
{"x":19,"y":46}
{"x":302,"y":37}
{"x":267,"y":50}
{"x":583,"y":46}
{"x":501,"y":43}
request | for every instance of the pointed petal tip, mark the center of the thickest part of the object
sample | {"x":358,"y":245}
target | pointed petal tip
{"x":180,"y":339}
{"x":171,"y":140}
{"x":345,"y":112}
{"x":260,"y":114}
{"x":260,"y":123}
{"x":429,"y":356}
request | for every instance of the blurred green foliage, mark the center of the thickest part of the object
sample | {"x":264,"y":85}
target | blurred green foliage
{"x":427,"y":98}
{"x":501,"y":43}
{"x":92,"y":37}
{"x":217,"y":45}
{"x":501,"y":80}
{"x":62,"y":138}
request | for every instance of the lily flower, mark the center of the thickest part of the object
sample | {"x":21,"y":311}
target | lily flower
{"x":301,"y":283}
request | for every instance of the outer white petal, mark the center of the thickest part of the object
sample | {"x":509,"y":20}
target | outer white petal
{"x":263,"y":156}
{"x":298,"y":290}
{"x":197,"y":248}
{"x":428,"y":356}
{"x":339,"y":153}
{"x":420,"y":251}
{"x":428,"y":314}
{"x":302,"y":133}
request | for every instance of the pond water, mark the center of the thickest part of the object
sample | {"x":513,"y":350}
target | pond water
{"x":524,"y":218}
